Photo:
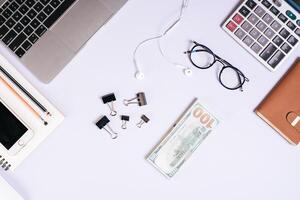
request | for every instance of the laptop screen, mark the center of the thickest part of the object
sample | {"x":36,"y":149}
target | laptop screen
{"x":295,"y":4}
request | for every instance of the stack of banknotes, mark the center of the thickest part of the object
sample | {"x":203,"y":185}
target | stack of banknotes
{"x":183,"y":139}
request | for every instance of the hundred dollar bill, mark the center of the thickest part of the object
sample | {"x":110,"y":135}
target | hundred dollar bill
{"x":183,"y":139}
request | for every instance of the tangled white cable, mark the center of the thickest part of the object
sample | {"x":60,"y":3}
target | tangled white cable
{"x":186,"y":70}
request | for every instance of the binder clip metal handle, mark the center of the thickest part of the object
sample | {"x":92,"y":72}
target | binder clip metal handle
{"x":112,"y":110}
{"x":144,"y":119}
{"x":113,"y":134}
{"x":140,"y":100}
{"x":109,"y":101}
{"x":124,"y":119}
{"x":103,"y":124}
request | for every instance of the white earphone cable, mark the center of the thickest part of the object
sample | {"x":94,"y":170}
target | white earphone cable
{"x":139,"y":74}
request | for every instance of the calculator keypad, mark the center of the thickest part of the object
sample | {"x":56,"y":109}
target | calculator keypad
{"x":284,"y":33}
{"x":240,"y":33}
{"x":274,"y":61}
{"x":238,"y":19}
{"x":268,"y":18}
{"x":266,"y":3}
{"x":267,"y":31}
{"x":274,"y":10}
{"x":248,"y":40}
{"x":254,"y":33}
{"x":256,"y":48}
{"x":260,"y":11}
{"x":298,"y":32}
{"x":247,"y":26}
{"x":244,"y":11}
{"x":291,"y":25}
{"x":286,"y":48}
{"x":292,"y":40}
{"x":276,"y":25}
{"x":263,"y":40}
{"x":278,"y":41}
{"x":253,"y":19}
{"x":261,"y":26}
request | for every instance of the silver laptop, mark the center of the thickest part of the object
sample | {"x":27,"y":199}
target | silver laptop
{"x":47,"y":34}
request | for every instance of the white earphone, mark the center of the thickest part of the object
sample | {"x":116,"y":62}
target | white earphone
{"x":139,"y":75}
{"x":186,"y":70}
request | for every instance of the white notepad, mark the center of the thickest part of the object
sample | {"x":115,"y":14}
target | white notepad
{"x":40,"y":131}
{"x":7,"y":192}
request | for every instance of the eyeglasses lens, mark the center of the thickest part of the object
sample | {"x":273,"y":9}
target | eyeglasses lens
{"x":231,"y":78}
{"x":201,"y":57}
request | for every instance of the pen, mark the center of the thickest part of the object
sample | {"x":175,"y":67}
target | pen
{"x":25,"y":91}
{"x":24,"y":102}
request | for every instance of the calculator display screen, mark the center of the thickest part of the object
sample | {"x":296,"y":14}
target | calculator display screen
{"x":295,"y":4}
{"x":11,"y":129}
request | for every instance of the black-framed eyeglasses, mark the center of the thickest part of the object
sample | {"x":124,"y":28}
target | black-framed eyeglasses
{"x":229,"y":76}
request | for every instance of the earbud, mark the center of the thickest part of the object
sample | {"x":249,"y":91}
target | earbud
{"x":188,"y":72}
{"x":139,"y":75}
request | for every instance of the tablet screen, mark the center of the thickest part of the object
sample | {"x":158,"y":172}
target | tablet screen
{"x":11,"y":129}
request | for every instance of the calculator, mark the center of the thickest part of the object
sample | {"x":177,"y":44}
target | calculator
{"x":267,"y":29}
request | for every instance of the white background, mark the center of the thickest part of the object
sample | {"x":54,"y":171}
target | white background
{"x":242,"y":159}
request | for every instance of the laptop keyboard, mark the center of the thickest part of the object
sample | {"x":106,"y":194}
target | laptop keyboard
{"x":23,"y":22}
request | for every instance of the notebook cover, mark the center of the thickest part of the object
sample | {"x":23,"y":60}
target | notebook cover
{"x":7,"y":192}
{"x":281,"y":108}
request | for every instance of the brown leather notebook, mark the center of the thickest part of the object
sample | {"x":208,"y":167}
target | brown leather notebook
{"x":281,"y":108}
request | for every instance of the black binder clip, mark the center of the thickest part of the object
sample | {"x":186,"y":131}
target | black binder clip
{"x":103,"y":124}
{"x":144,"y":119}
{"x":124,"y":119}
{"x":140,"y":100}
{"x":109,"y":100}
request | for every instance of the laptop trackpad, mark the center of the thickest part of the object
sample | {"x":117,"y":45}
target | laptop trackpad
{"x":81,"y":23}
{"x":47,"y":57}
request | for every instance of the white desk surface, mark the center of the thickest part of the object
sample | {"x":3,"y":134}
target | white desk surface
{"x":243,"y":159}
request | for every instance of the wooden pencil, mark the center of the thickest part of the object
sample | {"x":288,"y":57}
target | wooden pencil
{"x":23,"y":101}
